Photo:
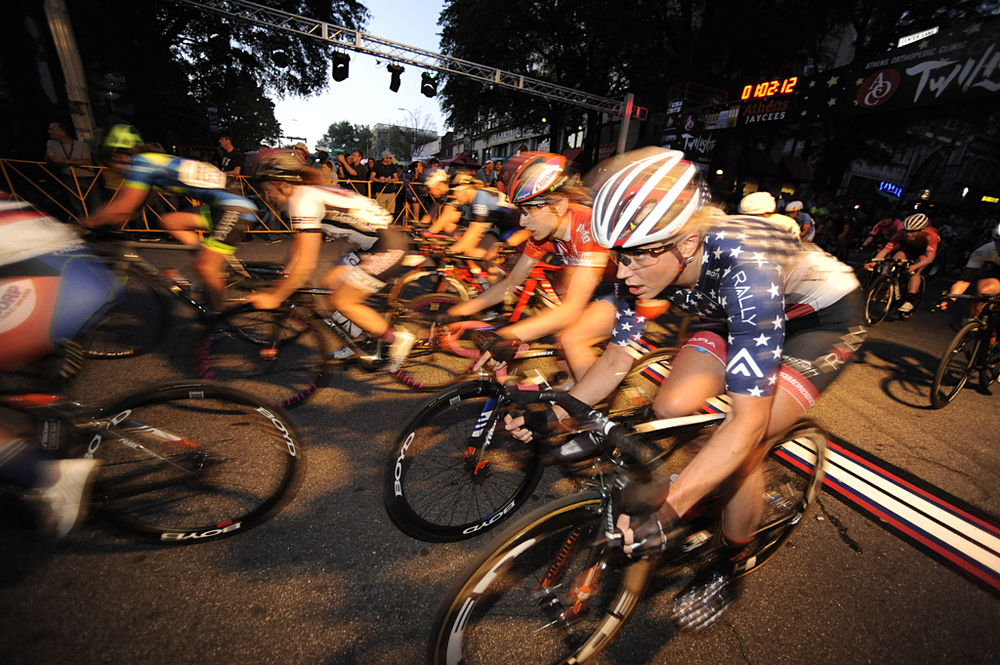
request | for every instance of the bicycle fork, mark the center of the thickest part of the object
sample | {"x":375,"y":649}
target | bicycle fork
{"x":482,"y":435}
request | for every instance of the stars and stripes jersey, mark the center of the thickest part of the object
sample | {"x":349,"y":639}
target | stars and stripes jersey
{"x":338,"y":213}
{"x":183,"y":177}
{"x":753,"y":278}
{"x":579,"y":250}
{"x":28,"y":233}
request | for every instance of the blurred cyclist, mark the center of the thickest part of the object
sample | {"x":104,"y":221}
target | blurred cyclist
{"x":983,"y":267}
{"x":917,"y":242}
{"x":52,"y":288}
{"x":224,"y":217}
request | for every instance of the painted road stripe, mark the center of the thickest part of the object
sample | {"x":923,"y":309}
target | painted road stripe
{"x":955,"y":536}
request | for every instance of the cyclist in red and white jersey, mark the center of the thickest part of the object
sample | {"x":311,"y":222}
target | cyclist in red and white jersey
{"x":918,"y":243}
{"x":983,"y":267}
{"x":376,"y":256}
{"x":52,"y":288}
{"x":541,"y":188}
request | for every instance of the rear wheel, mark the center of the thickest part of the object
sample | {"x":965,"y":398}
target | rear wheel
{"x":191,"y":462}
{"x":879,"y":300}
{"x":454,"y":471}
{"x":282,"y":355}
{"x":433,"y":363}
{"x":135,"y":324}
{"x":426,"y":281}
{"x":543,"y":593}
{"x":956,"y":365}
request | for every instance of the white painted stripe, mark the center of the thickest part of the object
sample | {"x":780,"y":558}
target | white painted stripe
{"x":917,"y":511}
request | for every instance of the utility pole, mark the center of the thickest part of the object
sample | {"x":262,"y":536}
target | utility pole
{"x":69,"y":57}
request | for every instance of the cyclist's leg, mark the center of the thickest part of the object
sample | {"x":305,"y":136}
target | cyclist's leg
{"x":697,"y":373}
{"x":229,"y":224}
{"x":987,"y":285}
{"x":183,"y":226}
{"x":579,"y":339}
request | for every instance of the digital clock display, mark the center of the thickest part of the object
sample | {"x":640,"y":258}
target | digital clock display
{"x":769,"y":88}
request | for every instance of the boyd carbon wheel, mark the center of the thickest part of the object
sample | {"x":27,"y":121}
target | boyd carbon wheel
{"x":135,"y":324}
{"x":282,"y":355}
{"x":879,"y":300}
{"x":454,"y":471}
{"x":191,"y":462}
{"x":956,"y":365}
{"x":426,"y":281}
{"x":544,"y":592}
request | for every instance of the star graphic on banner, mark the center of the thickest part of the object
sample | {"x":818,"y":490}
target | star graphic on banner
{"x":834,"y":80}
{"x":773,"y":290}
{"x":756,"y":392}
{"x":762,"y":340}
{"x":812,"y":84}
{"x":924,"y":44}
{"x":973,"y":28}
{"x":859,"y":81}
{"x":832,"y":102}
{"x":778,"y":322}
{"x":735,"y":252}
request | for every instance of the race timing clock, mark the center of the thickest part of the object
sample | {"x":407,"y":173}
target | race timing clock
{"x":769,"y":88}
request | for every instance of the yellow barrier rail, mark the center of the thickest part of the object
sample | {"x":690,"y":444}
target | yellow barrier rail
{"x":73,"y":195}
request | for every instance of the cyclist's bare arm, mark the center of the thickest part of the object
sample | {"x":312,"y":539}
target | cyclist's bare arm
{"x":447,"y":220}
{"x":125,"y":204}
{"x":580,"y":287}
{"x":301,"y":264}
{"x":495,"y":294}
{"x":926,"y":261}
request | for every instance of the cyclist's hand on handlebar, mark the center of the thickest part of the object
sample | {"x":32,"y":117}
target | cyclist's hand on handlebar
{"x":525,"y":425}
{"x":942,"y":303}
{"x":501,"y":349}
{"x":649,"y":535}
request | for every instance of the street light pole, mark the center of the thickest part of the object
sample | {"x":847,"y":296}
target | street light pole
{"x":412,"y":128}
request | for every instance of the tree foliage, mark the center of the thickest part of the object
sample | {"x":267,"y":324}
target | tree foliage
{"x":346,"y":136}
{"x":161,"y":64}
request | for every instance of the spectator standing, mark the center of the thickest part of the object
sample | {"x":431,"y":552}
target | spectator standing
{"x":354,"y":172}
{"x":386,"y":175}
{"x":301,"y":152}
{"x":233,"y":161}
{"x":66,"y":152}
{"x":486,"y":175}
{"x":412,"y":183}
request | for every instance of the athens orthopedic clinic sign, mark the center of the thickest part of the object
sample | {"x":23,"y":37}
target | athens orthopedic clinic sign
{"x":957,"y":64}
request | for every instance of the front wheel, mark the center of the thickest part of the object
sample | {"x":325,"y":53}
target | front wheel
{"x":136,"y":322}
{"x":956,"y":365}
{"x":546,"y":591}
{"x":191,"y":462}
{"x":454,"y":471}
{"x":879,"y":300}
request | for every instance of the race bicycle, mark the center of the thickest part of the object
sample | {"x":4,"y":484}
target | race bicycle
{"x":974,"y":348}
{"x":889,"y":290}
{"x":554,"y":588}
{"x":180,"y":463}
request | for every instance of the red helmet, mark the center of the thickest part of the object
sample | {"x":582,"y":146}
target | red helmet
{"x":535,"y":174}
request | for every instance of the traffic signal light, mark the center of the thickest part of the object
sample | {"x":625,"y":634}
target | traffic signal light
{"x":428,"y":84}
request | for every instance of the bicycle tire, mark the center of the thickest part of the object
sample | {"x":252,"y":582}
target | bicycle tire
{"x":281,"y":355}
{"x":990,"y":368}
{"x":879,"y":300}
{"x":956,"y":365}
{"x":426,"y":281}
{"x":506,"y":604}
{"x":191,"y":462}
{"x":437,"y":488}
{"x":135,"y":324}
{"x":432,"y":366}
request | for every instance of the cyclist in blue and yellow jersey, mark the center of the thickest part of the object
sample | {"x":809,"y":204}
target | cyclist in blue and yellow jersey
{"x":782,"y":319}
{"x":556,"y":215}
{"x":917,"y":242}
{"x":375,"y":257}
{"x":223,"y":216}
{"x":52,"y":288}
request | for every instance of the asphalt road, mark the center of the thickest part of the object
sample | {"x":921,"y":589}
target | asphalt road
{"x":330,"y":580}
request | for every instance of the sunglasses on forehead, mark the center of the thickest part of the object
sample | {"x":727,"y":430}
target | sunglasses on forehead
{"x":641,"y":256}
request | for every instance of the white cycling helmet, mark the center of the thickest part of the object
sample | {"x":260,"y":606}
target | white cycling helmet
{"x":758,"y":203}
{"x":649,"y":200}
{"x":915,"y":222}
